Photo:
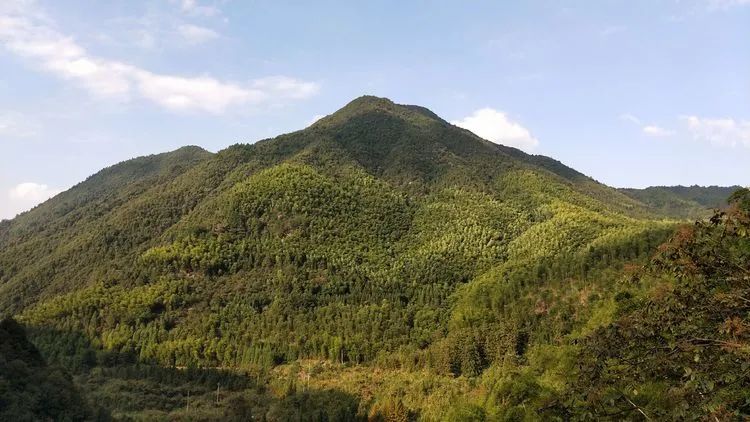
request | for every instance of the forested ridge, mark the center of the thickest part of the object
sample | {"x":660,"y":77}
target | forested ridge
{"x":381,"y":264}
{"x":692,"y":202}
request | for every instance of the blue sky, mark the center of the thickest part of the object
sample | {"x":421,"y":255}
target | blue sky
{"x":632,"y":93}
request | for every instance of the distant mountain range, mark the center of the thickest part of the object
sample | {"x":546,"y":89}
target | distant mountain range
{"x":683,"y":201}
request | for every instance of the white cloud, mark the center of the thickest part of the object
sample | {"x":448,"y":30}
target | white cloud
{"x":195,"y":34}
{"x":143,"y":38}
{"x":285,"y":87}
{"x":30,"y":191}
{"x":202,"y":93}
{"x":721,"y":131}
{"x":193,"y":8}
{"x":15,"y":125}
{"x":651,"y":130}
{"x":657,"y":131}
{"x":154,"y":30}
{"x":630,"y":118}
{"x":25,"y":196}
{"x":32,"y":38}
{"x":497,"y":127}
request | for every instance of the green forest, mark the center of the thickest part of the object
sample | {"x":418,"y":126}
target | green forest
{"x":380,"y":265}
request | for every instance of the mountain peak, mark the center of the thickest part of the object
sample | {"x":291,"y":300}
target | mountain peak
{"x":366,"y":104}
{"x":370,"y":104}
{"x":370,"y":101}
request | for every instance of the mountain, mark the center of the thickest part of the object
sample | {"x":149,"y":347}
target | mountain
{"x":683,"y":201}
{"x":116,"y":215}
{"x":377,"y":264}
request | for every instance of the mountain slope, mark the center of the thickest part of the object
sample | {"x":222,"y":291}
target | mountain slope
{"x":40,"y":249}
{"x":335,"y":202}
{"x":381,"y":233}
{"x":113,"y":215}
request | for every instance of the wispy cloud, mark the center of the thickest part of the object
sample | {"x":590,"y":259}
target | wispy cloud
{"x":652,"y":130}
{"x":155,"y":30}
{"x":657,"y":131}
{"x":692,"y":8}
{"x":195,"y":34}
{"x":16,"y":125}
{"x":726,"y":4}
{"x":195,"y":8}
{"x":725,"y":131}
{"x":612,"y":30}
{"x":497,"y":127}
{"x":630,"y":118}
{"x":719,"y":131}
{"x":25,"y":34}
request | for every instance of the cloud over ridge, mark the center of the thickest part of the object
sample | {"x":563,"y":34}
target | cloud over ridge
{"x":497,"y":127}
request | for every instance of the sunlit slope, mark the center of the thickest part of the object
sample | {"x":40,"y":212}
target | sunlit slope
{"x":364,"y":233}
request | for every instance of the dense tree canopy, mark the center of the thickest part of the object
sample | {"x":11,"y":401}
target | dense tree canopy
{"x":30,"y":390}
{"x":375,"y":265}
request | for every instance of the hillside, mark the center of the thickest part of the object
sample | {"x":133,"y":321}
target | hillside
{"x":381,"y":245}
{"x":41,"y":250}
{"x":689,"y":202}
{"x":116,"y":215}
{"x":32,"y":390}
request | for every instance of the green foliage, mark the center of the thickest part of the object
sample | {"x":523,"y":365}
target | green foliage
{"x":740,"y":198}
{"x":380,"y":236}
{"x":466,"y":412}
{"x":334,"y":406}
{"x":30,"y":390}
{"x":681,"y":351}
